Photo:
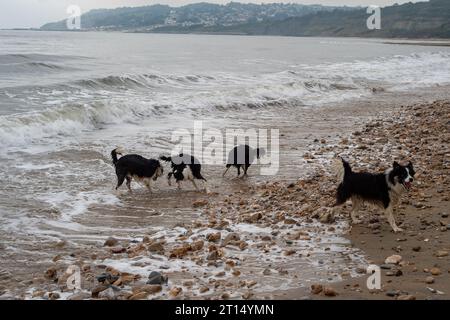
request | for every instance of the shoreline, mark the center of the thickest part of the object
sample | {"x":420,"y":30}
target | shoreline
{"x":438,"y":42}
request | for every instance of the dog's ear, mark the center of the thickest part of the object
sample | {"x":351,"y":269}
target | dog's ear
{"x":395,"y":165}
{"x":411,"y":168}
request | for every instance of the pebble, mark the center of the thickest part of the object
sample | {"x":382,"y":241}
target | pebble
{"x":329,"y":292}
{"x":51,"y":273}
{"x":435,"y":271}
{"x":174,"y":292}
{"x":117,"y":250}
{"x":316,"y":288}
{"x":107,"y":294}
{"x":53,"y":296}
{"x":97,"y":290}
{"x":393,"y":293}
{"x":203,"y":289}
{"x":394,"y":259}
{"x":110,"y":242}
{"x":148,"y":288}
{"x":213,"y":237}
{"x":396,"y":273}
{"x":79,"y":296}
{"x":157,"y":278}
{"x":107,"y":278}
{"x":429,"y":280}
{"x":417,"y":248}
{"x":441,"y":253}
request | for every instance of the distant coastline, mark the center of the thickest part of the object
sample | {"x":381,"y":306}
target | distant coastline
{"x":404,"y":21}
{"x":435,"y":42}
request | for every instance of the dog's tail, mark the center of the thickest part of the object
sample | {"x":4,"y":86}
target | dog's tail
{"x":342,"y":169}
{"x":164,"y":158}
{"x":114,"y":154}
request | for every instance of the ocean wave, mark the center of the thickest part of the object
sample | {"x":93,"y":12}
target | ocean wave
{"x":72,"y":118}
{"x":20,"y":58}
{"x":31,"y":63}
{"x":302,"y":85}
{"x":30,"y":67}
{"x":134,"y":81}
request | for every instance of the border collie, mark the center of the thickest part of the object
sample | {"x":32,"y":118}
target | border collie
{"x":184,"y":167}
{"x":133,"y":166}
{"x":381,"y":189}
{"x":242,"y":156}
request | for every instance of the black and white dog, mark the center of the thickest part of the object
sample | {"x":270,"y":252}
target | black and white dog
{"x":184,"y":168}
{"x":381,"y":189}
{"x":242,"y":156}
{"x":133,"y":166}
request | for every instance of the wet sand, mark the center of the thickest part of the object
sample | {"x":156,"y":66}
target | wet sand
{"x":233,"y":202}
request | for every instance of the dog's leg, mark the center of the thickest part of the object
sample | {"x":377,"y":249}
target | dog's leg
{"x":178,"y":185}
{"x":129,"y":183}
{"x":120,"y":180}
{"x":206,"y":186}
{"x":169,"y":178}
{"x":356,"y":205}
{"x":390,"y":217}
{"x":245,"y":168}
{"x":195,"y":185}
{"x":148,"y":184}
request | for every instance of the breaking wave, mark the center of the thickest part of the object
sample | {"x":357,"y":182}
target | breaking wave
{"x":149,"y":95}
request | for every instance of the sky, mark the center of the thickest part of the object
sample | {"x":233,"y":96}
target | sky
{"x":34,"y":13}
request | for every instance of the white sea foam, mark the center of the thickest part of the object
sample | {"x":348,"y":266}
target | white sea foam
{"x":193,"y":94}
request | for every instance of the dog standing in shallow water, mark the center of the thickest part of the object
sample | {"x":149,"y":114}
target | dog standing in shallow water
{"x":133,"y":166}
{"x":184,"y":168}
{"x":383,"y":189}
{"x":243,"y":156}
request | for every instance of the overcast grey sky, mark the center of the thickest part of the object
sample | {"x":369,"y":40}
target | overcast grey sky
{"x":34,"y":13}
